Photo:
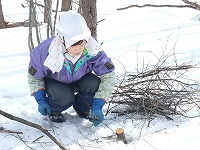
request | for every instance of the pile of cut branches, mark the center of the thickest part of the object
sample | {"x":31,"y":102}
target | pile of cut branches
{"x":160,"y":90}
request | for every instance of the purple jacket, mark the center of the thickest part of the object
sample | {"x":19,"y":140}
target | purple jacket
{"x":99,"y":64}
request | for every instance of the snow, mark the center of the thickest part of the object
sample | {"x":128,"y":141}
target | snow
{"x":133,"y":38}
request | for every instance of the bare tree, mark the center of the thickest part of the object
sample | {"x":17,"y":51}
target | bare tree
{"x":30,"y":36}
{"x":33,"y":22}
{"x":66,"y":5}
{"x":55,"y":18}
{"x":89,"y":11}
{"x":2,"y":21}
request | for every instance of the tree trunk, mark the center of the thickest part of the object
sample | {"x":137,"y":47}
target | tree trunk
{"x":47,"y":10}
{"x":30,"y":36}
{"x":89,"y":12}
{"x":47,"y":17}
{"x":66,"y":5}
{"x":2,"y":21}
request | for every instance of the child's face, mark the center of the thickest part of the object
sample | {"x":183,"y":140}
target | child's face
{"x":77,"y":48}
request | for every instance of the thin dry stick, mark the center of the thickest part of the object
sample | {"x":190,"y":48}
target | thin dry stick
{"x":38,"y":138}
{"x":10,"y":131}
{"x":28,"y":123}
{"x":21,"y":139}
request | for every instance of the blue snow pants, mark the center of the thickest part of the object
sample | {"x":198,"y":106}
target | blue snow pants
{"x":80,"y":94}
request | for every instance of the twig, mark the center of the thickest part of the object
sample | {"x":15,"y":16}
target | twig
{"x":194,"y":4}
{"x":38,"y":138}
{"x":10,"y":131}
{"x":150,"y":144}
{"x":100,"y":20}
{"x":28,"y":1}
{"x":21,"y":139}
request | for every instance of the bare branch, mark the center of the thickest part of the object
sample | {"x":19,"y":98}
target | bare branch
{"x":193,"y":4}
{"x":28,"y":1}
{"x":151,"y":5}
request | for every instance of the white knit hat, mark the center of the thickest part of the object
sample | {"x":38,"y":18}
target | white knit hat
{"x":71,"y":28}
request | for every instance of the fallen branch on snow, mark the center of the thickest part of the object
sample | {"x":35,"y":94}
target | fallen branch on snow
{"x":151,"y":5}
{"x":28,"y":123}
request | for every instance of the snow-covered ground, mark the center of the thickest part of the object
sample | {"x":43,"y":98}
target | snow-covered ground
{"x":132,"y":37}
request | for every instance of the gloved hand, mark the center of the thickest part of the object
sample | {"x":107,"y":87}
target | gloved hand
{"x":43,"y":106}
{"x":96,"y":115}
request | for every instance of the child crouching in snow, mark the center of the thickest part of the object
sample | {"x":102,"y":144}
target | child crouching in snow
{"x":71,"y":69}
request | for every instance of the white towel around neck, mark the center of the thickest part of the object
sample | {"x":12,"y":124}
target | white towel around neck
{"x":55,"y":59}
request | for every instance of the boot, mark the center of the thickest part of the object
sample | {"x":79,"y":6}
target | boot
{"x":57,"y":117}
